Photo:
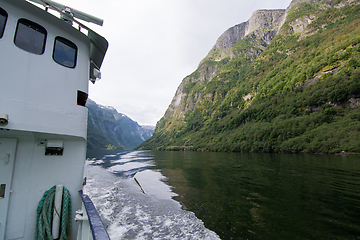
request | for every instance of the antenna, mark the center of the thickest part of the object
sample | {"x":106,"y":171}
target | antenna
{"x":68,"y":14}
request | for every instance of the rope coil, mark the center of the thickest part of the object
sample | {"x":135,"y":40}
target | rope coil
{"x":44,"y":216}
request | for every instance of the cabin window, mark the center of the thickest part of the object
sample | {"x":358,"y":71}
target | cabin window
{"x":65,"y":52}
{"x":3,"y":18}
{"x":81,"y":98}
{"x":30,"y":36}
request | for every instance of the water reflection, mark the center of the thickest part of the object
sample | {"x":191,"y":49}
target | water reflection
{"x":253,"y":196}
{"x":268,"y":196}
{"x":126,"y":211}
{"x":125,"y":164}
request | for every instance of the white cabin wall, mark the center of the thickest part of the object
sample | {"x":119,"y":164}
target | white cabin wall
{"x":20,"y":184}
{"x":34,"y":173}
{"x":63,"y":170}
{"x":34,"y":86}
{"x":40,"y":97}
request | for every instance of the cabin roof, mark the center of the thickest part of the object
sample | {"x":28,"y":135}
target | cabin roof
{"x":98,"y":47}
{"x":98,"y":44}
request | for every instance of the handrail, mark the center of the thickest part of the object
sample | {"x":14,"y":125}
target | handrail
{"x":97,"y":227}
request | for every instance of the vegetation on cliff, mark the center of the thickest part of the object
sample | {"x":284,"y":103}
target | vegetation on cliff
{"x":300,"y":93}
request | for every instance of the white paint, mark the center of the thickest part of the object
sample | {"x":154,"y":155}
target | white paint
{"x":43,"y":87}
{"x":7,"y":159}
{"x":57,"y":211}
{"x":40,"y":97}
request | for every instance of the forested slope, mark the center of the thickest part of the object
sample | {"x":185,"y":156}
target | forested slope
{"x":108,"y":129}
{"x":298,"y":92}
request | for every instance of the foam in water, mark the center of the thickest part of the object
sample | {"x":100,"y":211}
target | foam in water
{"x":128,"y":213}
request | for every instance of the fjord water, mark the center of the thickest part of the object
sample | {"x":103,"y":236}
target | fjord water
{"x":204,"y":195}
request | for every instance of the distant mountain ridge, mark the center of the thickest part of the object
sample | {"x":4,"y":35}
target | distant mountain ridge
{"x":283,"y":81}
{"x":108,"y":129}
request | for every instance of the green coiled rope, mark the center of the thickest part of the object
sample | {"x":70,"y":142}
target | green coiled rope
{"x":44,"y":216}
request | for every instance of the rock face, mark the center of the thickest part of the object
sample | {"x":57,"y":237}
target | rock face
{"x":284,"y":81}
{"x":262,"y":27}
{"x":227,"y":40}
{"x":265,"y":20}
{"x":259,"y":25}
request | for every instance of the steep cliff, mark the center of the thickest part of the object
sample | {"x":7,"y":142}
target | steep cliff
{"x":262,"y":26}
{"x":260,"y":29}
{"x":284,"y":81}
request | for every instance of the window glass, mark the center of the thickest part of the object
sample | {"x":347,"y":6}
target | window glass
{"x":3,"y":18}
{"x":81,"y":98}
{"x":65,"y":52}
{"x":30,"y":36}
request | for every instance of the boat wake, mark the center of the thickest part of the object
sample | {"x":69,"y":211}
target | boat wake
{"x":127,"y":212}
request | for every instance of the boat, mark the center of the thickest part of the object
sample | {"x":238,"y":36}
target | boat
{"x":48,"y":56}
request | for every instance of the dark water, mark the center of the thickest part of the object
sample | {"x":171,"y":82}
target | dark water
{"x":256,"y":196}
{"x":126,"y":211}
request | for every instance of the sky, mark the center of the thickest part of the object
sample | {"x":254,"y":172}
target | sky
{"x":154,"y":44}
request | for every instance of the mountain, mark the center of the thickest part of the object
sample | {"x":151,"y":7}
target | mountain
{"x":108,"y":129}
{"x":284,"y":81}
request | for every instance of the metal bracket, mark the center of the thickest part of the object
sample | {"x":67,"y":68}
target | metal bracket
{"x":54,"y":147}
{"x":80,"y":216}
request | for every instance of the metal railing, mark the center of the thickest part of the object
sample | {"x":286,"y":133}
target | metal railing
{"x":97,"y":227}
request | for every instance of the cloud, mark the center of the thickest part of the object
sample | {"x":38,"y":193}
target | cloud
{"x":154,"y":44}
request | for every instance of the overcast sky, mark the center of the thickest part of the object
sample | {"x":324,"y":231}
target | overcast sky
{"x":154,"y":44}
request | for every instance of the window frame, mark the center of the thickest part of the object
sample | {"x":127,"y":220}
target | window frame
{"x":35,"y":26}
{"x":69,"y":44}
{"x":5,"y":14}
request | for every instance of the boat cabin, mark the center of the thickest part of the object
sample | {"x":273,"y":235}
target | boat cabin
{"x":46,"y":65}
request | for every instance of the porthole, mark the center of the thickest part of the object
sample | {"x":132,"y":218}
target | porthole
{"x":65,"y":52}
{"x":30,"y":36}
{"x":3,"y":18}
